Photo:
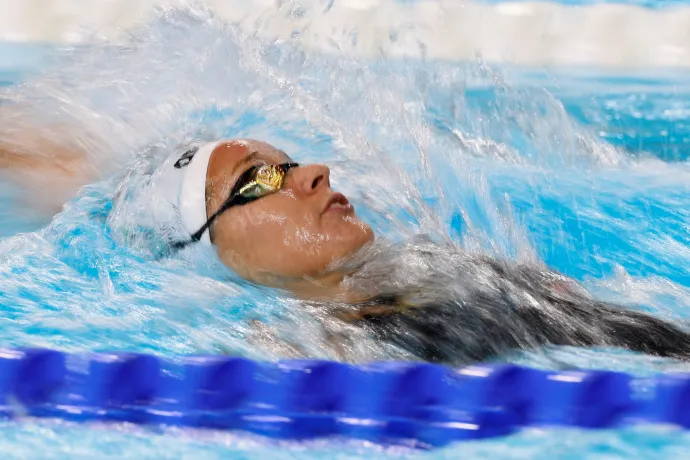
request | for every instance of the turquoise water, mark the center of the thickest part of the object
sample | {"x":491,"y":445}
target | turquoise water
{"x":584,"y":170}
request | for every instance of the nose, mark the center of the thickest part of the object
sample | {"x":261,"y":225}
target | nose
{"x":309,"y":179}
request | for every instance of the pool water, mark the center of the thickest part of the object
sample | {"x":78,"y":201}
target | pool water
{"x":583,"y":169}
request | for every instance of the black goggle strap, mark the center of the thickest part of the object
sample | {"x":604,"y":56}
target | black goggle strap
{"x":235,"y":199}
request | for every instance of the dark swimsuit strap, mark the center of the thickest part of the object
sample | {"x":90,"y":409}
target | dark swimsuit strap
{"x":385,"y":305}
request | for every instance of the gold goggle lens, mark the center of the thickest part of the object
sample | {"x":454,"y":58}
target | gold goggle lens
{"x":267,"y":179}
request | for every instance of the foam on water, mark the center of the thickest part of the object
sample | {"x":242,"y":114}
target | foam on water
{"x":489,"y":156}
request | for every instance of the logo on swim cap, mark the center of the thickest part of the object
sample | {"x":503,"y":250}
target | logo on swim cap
{"x":186,"y":158}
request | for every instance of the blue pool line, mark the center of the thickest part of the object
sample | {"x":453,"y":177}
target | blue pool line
{"x":387,"y":402}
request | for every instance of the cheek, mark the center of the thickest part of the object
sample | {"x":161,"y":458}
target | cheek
{"x":269,"y":234}
{"x":298,"y":245}
{"x":301,"y":236}
{"x":285,"y":238}
{"x":260,"y":232}
{"x":317,"y":244}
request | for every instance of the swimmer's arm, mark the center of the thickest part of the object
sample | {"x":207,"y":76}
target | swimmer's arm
{"x":41,"y":155}
{"x":48,"y":170}
{"x":27,"y":143}
{"x":11,"y":158}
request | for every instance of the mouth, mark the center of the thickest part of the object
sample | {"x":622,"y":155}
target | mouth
{"x":337,"y":203}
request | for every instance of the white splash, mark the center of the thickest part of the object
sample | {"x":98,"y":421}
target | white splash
{"x":529,"y":33}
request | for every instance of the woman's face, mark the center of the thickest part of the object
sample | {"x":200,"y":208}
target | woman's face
{"x":295,"y":233}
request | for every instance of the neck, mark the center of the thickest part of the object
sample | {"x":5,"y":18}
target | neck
{"x":330,"y":286}
{"x":326,"y":288}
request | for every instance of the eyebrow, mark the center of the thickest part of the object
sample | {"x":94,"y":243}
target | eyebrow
{"x":248,"y":159}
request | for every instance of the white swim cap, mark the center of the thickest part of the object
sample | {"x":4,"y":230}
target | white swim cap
{"x":158,"y":205}
{"x":183,"y":182}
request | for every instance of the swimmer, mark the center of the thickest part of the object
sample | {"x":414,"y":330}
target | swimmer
{"x":278,"y":223}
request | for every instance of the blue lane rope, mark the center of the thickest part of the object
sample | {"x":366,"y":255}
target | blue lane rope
{"x":396,"y":402}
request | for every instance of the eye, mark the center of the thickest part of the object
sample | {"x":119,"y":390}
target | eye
{"x":252,"y":190}
{"x":270,"y":177}
{"x":245,"y":179}
{"x":259,"y":180}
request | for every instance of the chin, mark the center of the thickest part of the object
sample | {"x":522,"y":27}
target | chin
{"x":358,"y":240}
{"x":371,"y":236}
{"x":358,"y":232}
{"x":349,"y":238}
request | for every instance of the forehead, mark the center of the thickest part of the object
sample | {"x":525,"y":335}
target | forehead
{"x":231,"y":155}
{"x":231,"y":158}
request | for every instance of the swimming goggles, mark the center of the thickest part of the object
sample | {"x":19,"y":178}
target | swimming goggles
{"x":256,"y":182}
